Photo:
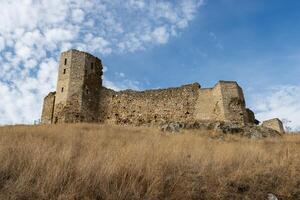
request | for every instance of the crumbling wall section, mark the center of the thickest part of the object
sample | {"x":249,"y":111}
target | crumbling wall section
{"x":48,"y":108}
{"x":149,"y":107}
{"x":275,"y":124}
{"x":233,"y":102}
{"x":68,"y":112}
{"x":189,"y":103}
{"x":250,"y":117}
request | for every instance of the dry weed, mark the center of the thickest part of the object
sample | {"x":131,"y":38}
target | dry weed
{"x":87,"y":161}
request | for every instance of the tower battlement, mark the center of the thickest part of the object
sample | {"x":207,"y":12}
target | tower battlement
{"x":80,"y":97}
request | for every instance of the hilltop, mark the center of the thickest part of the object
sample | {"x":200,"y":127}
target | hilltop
{"x":86,"y":161}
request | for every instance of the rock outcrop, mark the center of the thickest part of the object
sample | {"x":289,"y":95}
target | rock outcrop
{"x":249,"y":130}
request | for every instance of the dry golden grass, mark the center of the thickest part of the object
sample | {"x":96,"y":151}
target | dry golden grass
{"x":105,"y":162}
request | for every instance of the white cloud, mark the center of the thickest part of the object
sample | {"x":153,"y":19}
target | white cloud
{"x":137,"y":3}
{"x":2,"y":43}
{"x":215,"y":41}
{"x":160,"y":35}
{"x":279,"y":102}
{"x":57,"y":35}
{"x":78,"y":15}
{"x":123,"y":82}
{"x":212,"y":35}
{"x":94,"y":43}
{"x":29,"y":64}
{"x":111,"y":85}
{"x":22,"y":51}
{"x":121,"y":74}
{"x":34,"y":32}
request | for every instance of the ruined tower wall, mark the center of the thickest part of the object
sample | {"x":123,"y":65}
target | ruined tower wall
{"x":224,"y":102}
{"x":91,"y":89}
{"x":63,"y":80}
{"x":48,"y":108}
{"x":79,"y":83}
{"x":68,"y":96}
{"x":233,"y":102}
{"x":250,"y":117}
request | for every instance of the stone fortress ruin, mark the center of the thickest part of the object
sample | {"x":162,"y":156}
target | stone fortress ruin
{"x":80,"y":97}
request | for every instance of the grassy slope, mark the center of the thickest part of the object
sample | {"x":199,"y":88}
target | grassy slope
{"x":105,"y":162}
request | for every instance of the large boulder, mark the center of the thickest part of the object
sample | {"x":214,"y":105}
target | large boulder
{"x":275,"y":124}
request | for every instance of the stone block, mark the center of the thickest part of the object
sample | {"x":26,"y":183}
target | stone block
{"x":275,"y":124}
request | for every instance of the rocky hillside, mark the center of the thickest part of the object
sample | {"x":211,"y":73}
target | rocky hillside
{"x":249,"y":131}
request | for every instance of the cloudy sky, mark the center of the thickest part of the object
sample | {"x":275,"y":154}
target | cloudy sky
{"x":154,"y":43}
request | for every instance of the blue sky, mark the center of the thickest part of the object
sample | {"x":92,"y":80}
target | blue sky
{"x":152,"y":44}
{"x":252,"y":42}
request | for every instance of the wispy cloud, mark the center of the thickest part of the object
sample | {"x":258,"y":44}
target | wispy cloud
{"x":281,"y":102}
{"x":123,"y":82}
{"x":34,"y":32}
{"x":215,"y":40}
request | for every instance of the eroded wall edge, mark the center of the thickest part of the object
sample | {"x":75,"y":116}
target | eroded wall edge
{"x":48,"y":108}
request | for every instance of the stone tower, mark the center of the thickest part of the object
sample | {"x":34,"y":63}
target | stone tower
{"x":78,"y":88}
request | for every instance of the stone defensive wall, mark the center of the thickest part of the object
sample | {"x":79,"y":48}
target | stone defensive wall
{"x":80,"y":97}
{"x":188,"y":103}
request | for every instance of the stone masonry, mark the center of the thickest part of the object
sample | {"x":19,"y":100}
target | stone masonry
{"x":78,"y":89}
{"x":80,"y":97}
{"x":274,"y":124}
